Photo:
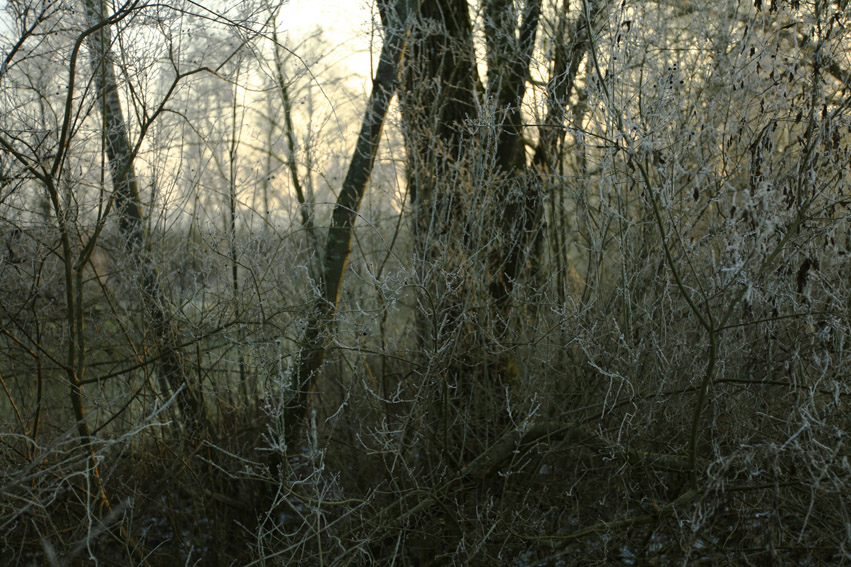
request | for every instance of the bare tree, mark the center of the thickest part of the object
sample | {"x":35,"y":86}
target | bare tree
{"x":338,"y":244}
{"x":173,"y":376}
{"x":582,"y":297}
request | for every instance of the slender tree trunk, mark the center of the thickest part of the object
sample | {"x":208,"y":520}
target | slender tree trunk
{"x":170,"y":367}
{"x":569,"y":48}
{"x":75,"y":362}
{"x":233,"y":163}
{"x":305,"y":198}
{"x":338,"y":245}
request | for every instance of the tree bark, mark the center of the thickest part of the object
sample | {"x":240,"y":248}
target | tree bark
{"x":338,"y":245}
{"x":569,"y":46}
{"x":171,"y":370}
{"x":474,"y":212}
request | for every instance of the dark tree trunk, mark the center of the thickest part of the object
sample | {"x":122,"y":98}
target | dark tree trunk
{"x":172,"y":374}
{"x":509,"y":52}
{"x":474,"y":211}
{"x":338,"y":245}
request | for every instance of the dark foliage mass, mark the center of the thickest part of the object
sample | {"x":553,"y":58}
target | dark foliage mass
{"x":567,"y":285}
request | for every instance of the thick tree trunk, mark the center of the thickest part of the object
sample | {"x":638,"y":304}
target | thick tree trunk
{"x":474,"y":212}
{"x":509,"y":52}
{"x":449,"y":152}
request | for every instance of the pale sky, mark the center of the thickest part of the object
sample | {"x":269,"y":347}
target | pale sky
{"x":343,"y":22}
{"x":337,"y":15}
